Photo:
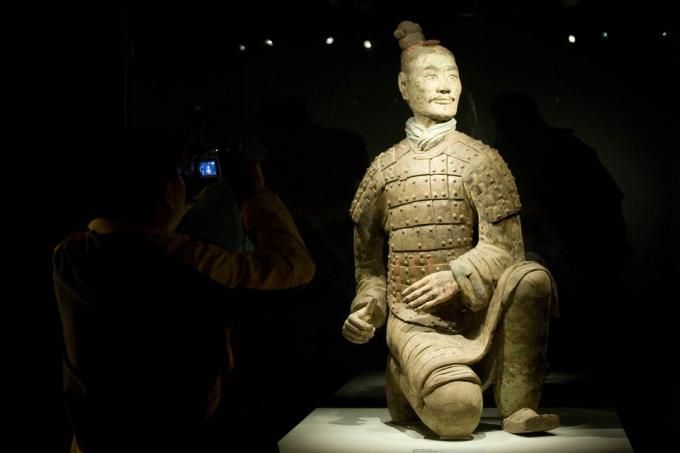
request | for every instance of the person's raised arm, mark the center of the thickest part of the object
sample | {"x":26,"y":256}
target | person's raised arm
{"x":280,"y":259}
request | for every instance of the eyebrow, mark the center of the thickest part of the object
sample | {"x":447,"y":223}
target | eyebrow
{"x":431,"y":67}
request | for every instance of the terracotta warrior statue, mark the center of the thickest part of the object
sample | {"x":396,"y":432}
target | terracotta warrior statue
{"x":464,"y":310}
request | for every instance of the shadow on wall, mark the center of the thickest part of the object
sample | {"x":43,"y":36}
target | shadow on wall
{"x":572,"y":223}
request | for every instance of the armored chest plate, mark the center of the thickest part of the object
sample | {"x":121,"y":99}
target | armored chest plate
{"x":429,"y":223}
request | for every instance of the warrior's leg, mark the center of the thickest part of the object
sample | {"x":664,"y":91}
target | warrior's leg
{"x":446,"y":397}
{"x":453,"y":410}
{"x":520,"y":365}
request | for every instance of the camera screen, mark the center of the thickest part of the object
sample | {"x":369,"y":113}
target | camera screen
{"x":207,"y":168}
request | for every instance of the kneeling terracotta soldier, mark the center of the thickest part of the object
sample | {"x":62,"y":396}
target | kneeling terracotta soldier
{"x":464,"y":310}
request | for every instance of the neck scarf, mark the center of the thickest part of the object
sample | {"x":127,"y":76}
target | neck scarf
{"x":426,"y":138}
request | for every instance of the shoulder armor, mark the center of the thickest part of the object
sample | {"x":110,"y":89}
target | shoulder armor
{"x":464,"y":148}
{"x":490,"y":184}
{"x":391,"y":157}
{"x":370,"y":186}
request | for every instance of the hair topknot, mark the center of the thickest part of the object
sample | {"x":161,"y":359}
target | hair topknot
{"x":409,"y":34}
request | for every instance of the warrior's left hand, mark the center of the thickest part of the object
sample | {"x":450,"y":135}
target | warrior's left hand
{"x":430,"y":291}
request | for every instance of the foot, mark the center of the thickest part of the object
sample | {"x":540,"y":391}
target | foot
{"x":527,"y":420}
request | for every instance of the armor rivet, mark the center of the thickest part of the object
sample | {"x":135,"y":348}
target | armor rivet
{"x":426,"y":196}
{"x":407,"y":223}
{"x":439,"y":218}
{"x":415,"y":220}
{"x":443,"y":243}
{"x":429,"y":256}
{"x":420,"y":245}
{"x":422,"y":261}
{"x":417,"y":231}
{"x":408,"y":281}
{"x":402,"y":232}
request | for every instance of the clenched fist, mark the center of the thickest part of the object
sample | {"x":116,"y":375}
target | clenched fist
{"x":358,"y":328}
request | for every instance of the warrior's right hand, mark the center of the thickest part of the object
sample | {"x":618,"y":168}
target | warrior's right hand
{"x":357,"y":327}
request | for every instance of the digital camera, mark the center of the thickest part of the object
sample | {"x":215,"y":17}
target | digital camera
{"x":207,"y":168}
{"x":202,"y":170}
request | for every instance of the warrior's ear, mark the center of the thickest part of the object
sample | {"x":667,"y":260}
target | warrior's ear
{"x":402,"y":85}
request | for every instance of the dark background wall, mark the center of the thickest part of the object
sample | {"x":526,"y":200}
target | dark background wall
{"x":182,"y":66}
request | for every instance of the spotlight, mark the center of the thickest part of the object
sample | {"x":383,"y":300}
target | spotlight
{"x":572,"y":39}
{"x":664,"y":34}
{"x":329,"y":40}
{"x":605,"y":35}
{"x":242,"y":47}
{"x":367,"y":44}
{"x":268,"y":42}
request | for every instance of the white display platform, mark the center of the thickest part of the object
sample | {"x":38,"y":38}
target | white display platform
{"x":368,"y":430}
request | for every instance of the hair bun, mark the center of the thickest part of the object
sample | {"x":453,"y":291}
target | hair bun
{"x":408,"y":33}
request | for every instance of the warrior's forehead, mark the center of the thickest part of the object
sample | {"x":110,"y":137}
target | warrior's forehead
{"x":437,"y":60}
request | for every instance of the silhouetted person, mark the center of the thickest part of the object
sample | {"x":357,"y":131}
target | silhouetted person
{"x":144,"y":309}
{"x":572,"y":220}
{"x":316,"y":170}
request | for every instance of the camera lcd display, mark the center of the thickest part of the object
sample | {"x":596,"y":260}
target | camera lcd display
{"x":207,"y":168}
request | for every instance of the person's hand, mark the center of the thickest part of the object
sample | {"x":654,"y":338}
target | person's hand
{"x":430,"y":291}
{"x":357,"y":327}
{"x":243,"y":175}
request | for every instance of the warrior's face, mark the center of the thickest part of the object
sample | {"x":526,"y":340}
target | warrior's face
{"x":431,"y":85}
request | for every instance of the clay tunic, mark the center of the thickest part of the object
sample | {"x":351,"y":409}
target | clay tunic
{"x":428,"y":205}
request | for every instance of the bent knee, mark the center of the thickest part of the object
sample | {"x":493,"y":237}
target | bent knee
{"x":454,"y":409}
{"x":535,"y":284}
